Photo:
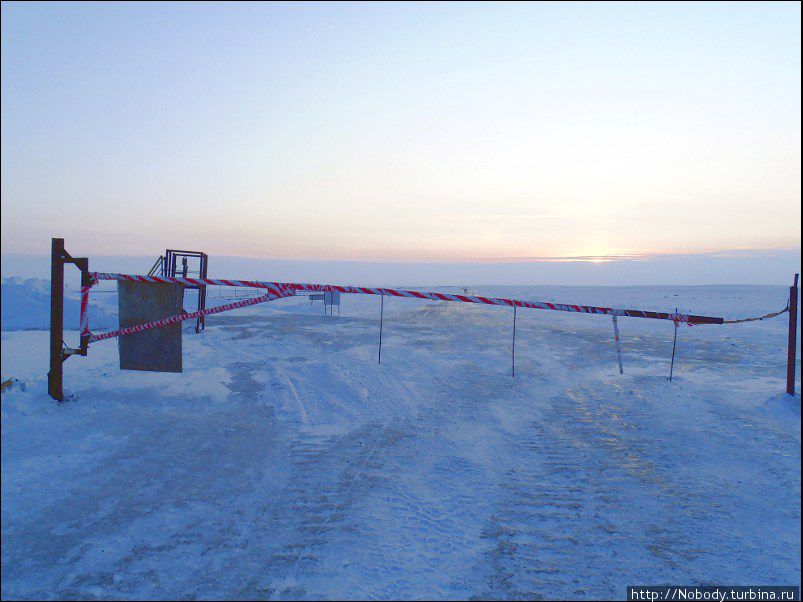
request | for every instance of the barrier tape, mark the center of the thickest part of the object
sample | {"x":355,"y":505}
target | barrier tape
{"x":84,"y":322}
{"x":587,"y":309}
{"x":764,"y":317}
{"x":189,"y":316}
{"x":186,"y":281}
{"x":284,"y":289}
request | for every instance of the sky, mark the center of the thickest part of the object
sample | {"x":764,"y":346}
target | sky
{"x":403,"y":132}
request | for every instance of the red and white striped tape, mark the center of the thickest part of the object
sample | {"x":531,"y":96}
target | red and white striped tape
{"x":187,"y":281}
{"x":188,"y":316}
{"x":84,"y":322}
{"x":586,"y":309}
{"x":278,"y":290}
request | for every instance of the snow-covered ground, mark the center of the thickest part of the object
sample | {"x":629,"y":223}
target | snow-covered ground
{"x":286,"y":463}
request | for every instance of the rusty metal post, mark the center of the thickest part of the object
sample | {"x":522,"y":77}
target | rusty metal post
{"x":792,"y":351}
{"x":58,"y":352}
{"x":54,"y":377}
{"x":201,"y":324}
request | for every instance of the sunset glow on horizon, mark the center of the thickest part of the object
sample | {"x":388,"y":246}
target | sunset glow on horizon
{"x":402,"y":132}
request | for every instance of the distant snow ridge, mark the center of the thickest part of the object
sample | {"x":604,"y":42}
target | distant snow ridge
{"x":26,"y":306}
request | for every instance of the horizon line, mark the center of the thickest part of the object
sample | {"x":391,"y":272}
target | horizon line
{"x":590,"y":258}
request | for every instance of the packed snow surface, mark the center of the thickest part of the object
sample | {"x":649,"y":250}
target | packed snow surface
{"x":286,"y":463}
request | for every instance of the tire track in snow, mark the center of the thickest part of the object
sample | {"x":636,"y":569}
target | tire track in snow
{"x":571,"y":508}
{"x":321,"y":505}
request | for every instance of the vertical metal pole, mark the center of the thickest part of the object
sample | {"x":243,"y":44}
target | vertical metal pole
{"x":381,"y":320}
{"x":674,"y":344}
{"x":204,"y":261}
{"x":618,"y":344}
{"x":513,"y":358}
{"x":54,"y":377}
{"x":792,"y":351}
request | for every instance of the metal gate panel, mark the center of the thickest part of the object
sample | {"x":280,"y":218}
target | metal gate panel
{"x":159,"y":349}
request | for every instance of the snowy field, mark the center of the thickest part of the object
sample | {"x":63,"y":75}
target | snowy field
{"x":285,"y":463}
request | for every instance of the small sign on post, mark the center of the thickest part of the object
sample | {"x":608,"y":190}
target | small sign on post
{"x":331,"y":298}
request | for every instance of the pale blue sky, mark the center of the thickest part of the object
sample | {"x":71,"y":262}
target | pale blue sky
{"x":401,"y":131}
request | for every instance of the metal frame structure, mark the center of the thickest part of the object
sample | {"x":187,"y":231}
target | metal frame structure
{"x":170,"y":269}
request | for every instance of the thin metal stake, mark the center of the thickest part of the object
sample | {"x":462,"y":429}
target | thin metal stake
{"x":674,"y":344}
{"x":381,"y":320}
{"x":513,"y":365}
{"x":618,"y":344}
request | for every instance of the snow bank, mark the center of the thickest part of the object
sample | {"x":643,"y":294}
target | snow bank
{"x":782,"y":412}
{"x":26,"y":306}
